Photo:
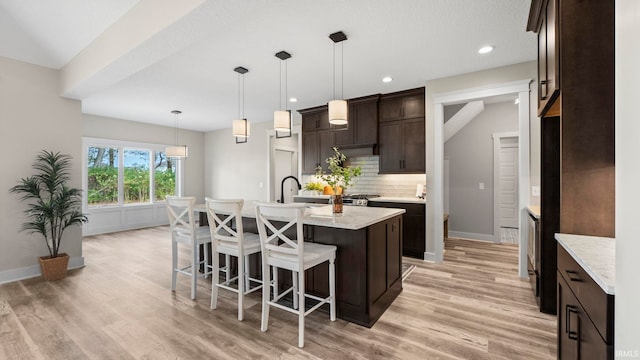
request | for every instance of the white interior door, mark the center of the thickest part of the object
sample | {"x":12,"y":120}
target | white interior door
{"x":508,"y":182}
{"x":285,"y":165}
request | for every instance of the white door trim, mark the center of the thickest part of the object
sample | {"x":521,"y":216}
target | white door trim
{"x":497,"y":140}
{"x":435,"y":197}
{"x":271,"y":135}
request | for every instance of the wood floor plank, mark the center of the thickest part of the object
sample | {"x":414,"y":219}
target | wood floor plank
{"x":473,"y":306}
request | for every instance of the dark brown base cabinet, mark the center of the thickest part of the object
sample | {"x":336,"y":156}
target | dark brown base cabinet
{"x":413,"y":228}
{"x":585,"y":313}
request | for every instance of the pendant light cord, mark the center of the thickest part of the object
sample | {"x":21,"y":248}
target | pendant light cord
{"x":334,"y":70}
{"x":341,"y":70}
{"x":280,"y":82}
{"x":239,"y":100}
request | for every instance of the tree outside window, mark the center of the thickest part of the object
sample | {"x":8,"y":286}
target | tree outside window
{"x":102,"y":176}
{"x":165,"y":176}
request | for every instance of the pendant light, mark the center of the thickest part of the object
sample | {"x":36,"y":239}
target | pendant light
{"x":177,"y":151}
{"x":337,"y":107}
{"x":282,"y":118}
{"x":240,"y":126}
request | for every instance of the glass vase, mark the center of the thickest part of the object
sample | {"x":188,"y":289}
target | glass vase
{"x":336,"y":201}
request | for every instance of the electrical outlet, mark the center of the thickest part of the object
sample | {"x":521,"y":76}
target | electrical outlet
{"x":481,"y":186}
{"x":535,"y":191}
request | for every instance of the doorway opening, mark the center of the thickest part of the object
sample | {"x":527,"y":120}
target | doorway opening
{"x":435,"y":201}
{"x":284,"y":160}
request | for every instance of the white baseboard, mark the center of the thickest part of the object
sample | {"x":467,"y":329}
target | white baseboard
{"x":429,"y":256}
{"x":32,"y":271}
{"x":471,"y":236}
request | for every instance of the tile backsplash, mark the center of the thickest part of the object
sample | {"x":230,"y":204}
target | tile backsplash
{"x":370,"y":182}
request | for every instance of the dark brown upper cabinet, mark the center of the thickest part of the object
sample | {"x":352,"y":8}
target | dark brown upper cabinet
{"x":542,"y":20}
{"x":363,"y":124}
{"x":402,"y":105}
{"x":317,"y":139}
{"x":401,"y":132}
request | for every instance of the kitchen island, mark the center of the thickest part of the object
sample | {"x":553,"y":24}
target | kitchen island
{"x":368,"y":259}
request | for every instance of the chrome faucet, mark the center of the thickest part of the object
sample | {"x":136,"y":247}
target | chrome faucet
{"x":282,"y":186}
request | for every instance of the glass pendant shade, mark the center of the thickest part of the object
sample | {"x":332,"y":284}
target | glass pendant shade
{"x":241,"y":128}
{"x":282,"y":120}
{"x":338,"y":112}
{"x":177,"y":152}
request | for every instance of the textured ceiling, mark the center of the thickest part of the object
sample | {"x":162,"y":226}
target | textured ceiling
{"x":187,"y":63}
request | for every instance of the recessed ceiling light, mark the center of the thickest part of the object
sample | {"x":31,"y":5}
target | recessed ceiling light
{"x":387,"y":79}
{"x":485,"y":49}
{"x":293,"y":99}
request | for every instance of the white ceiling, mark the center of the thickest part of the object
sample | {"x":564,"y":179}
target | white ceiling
{"x":185,"y":59}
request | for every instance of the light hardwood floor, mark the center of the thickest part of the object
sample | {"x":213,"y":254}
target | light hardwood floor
{"x":119,"y":306}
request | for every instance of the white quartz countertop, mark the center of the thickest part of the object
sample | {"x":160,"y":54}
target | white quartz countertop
{"x":312,"y":196}
{"x":352,"y":217}
{"x":597,"y":255}
{"x":409,"y":200}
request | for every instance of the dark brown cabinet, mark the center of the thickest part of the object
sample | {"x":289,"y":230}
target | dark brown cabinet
{"x":401,"y":132}
{"x":413,"y":228}
{"x":363,"y":124}
{"x":402,"y":146}
{"x":548,"y":81}
{"x":402,"y":105}
{"x":585,"y":313}
{"x":317,"y":139}
{"x":372,"y":279}
{"x":577,"y":115}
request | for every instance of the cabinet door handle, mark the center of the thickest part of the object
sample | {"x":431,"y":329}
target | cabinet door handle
{"x":573,"y":276}
{"x":544,"y":82}
{"x":317,"y":124}
{"x":573,"y":335}
{"x":543,"y":98}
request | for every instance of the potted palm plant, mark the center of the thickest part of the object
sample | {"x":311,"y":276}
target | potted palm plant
{"x":52,"y":208}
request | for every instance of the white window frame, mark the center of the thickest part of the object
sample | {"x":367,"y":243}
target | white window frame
{"x":120,"y":217}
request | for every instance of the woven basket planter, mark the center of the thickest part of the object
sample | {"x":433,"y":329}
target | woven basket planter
{"x":54,"y":268}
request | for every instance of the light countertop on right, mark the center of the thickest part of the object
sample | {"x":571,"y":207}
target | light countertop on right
{"x":534,"y":210}
{"x":392,"y":199}
{"x":596,"y":255}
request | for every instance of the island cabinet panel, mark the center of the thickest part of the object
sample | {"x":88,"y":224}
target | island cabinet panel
{"x":368,"y":269}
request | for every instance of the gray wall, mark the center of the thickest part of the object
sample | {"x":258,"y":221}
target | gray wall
{"x":117,"y":129}
{"x":470,"y":154}
{"x":34,"y":118}
{"x":235,"y":171}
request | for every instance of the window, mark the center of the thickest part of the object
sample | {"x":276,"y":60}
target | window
{"x":121,"y":173}
{"x":102,"y":176}
{"x":136,"y":176}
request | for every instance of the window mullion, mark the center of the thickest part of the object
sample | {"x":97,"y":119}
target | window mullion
{"x":121,"y":175}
